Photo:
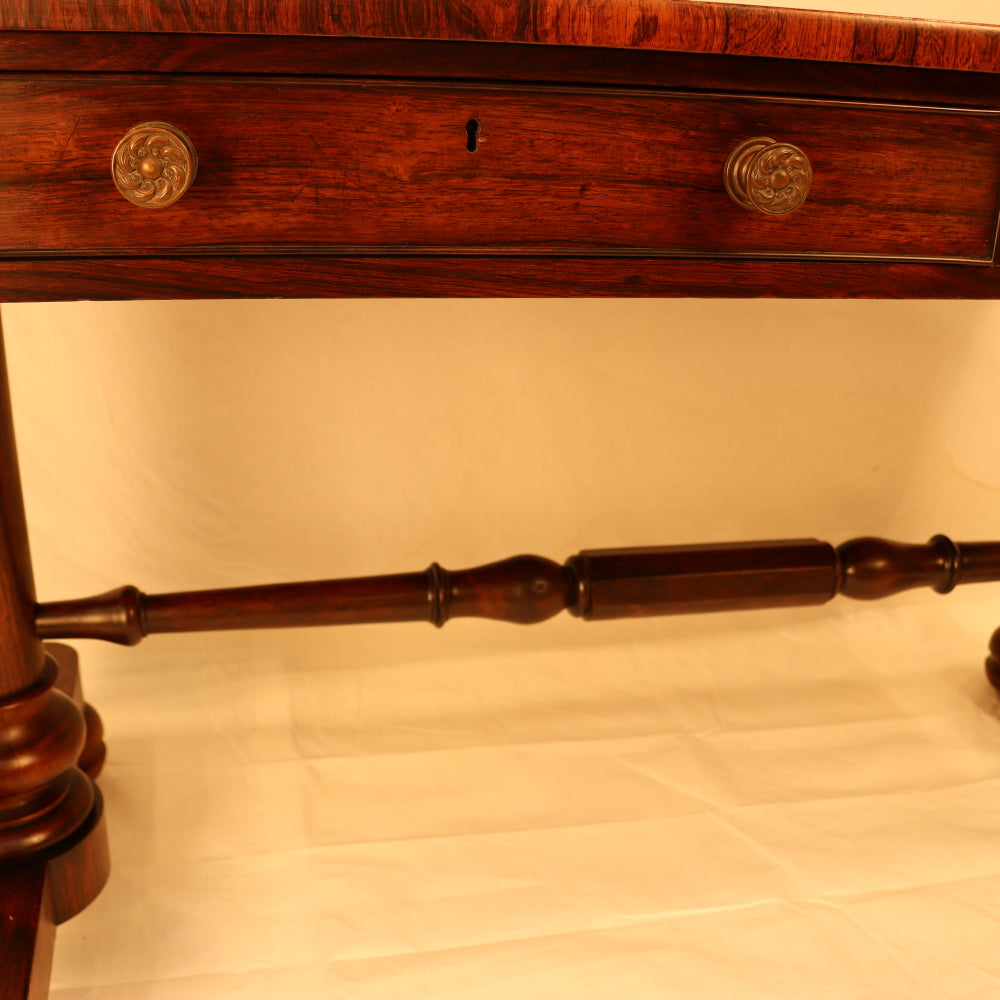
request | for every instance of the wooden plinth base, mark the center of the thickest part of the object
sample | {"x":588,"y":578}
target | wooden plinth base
{"x":38,"y":894}
{"x":48,"y":888}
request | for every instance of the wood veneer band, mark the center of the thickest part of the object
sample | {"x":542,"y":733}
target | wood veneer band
{"x":673,"y":25}
{"x":66,"y":279}
{"x":335,"y":58}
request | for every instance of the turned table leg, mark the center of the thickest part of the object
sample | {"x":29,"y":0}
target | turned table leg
{"x":29,"y":931}
{"x":40,"y":892}
{"x":53,"y":844}
{"x":993,"y":661}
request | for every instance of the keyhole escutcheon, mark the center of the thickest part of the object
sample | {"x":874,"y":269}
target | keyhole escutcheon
{"x":472,"y":128}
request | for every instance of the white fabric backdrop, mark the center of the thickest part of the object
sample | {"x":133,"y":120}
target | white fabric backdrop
{"x":776,"y":804}
{"x":782,"y":804}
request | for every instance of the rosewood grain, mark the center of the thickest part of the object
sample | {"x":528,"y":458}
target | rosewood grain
{"x":559,"y":170}
{"x":596,"y":584}
{"x":27,"y":925}
{"x":27,"y":931}
{"x":357,"y":58}
{"x":43,"y":796}
{"x":68,"y":680}
{"x":53,"y":844}
{"x":21,"y":654}
{"x":80,"y":865}
{"x":673,"y":25}
{"x":572,"y":191}
{"x":594,"y":276}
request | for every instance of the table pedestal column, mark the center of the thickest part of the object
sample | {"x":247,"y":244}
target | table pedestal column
{"x":53,"y":844}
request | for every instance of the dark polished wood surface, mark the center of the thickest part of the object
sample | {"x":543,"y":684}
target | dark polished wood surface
{"x":385,"y":199}
{"x":674,"y":25}
{"x":403,"y":275}
{"x":353,"y":58}
{"x":596,"y":584}
{"x":53,"y":844}
{"x":556,"y":170}
{"x":27,"y":931}
{"x":335,"y":158}
{"x":23,"y":657}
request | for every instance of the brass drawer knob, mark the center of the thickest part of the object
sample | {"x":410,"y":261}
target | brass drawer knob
{"x":767,"y":176}
{"x":154,"y":164}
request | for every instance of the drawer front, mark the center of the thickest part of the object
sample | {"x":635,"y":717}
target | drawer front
{"x":319,"y":166}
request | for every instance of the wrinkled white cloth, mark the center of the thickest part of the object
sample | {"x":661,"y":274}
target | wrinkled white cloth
{"x":806,"y":808}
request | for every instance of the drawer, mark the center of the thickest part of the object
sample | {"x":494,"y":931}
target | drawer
{"x":302,"y":165}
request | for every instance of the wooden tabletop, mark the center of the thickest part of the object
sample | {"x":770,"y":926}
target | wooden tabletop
{"x":671,"y":25}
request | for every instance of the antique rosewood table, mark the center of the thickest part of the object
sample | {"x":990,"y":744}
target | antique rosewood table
{"x":430,"y":147}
